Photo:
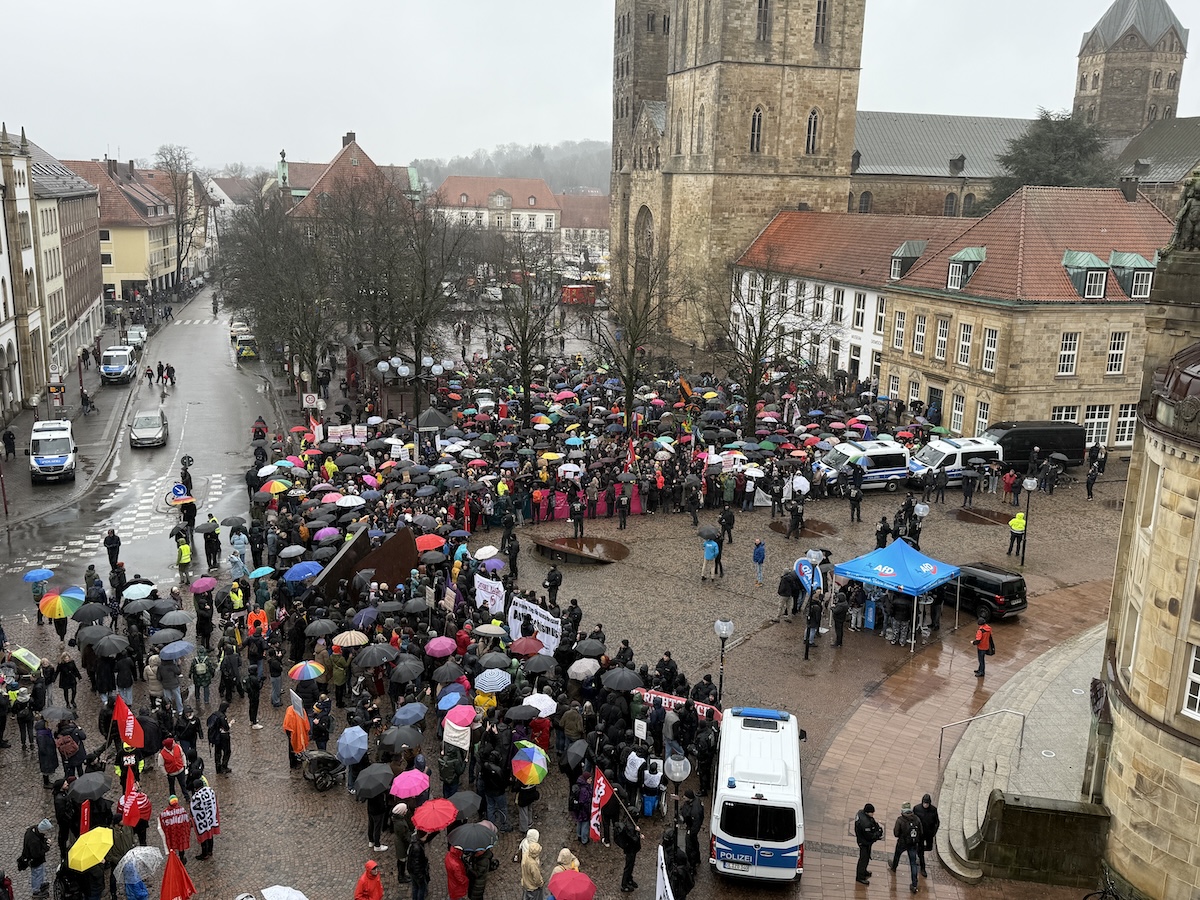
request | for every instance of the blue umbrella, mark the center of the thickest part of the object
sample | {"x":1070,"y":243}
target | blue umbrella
{"x":815,"y":412}
{"x":823,"y":445}
{"x":574,"y":442}
{"x":428,"y":491}
{"x":352,"y":745}
{"x":262,"y":571}
{"x":510,"y":464}
{"x":303,"y":570}
{"x":176,"y":650}
{"x":370,"y":495}
{"x":409,"y":714}
{"x":366,"y":617}
{"x":615,"y":429}
{"x":460,"y":533}
{"x":36,"y":575}
{"x":449,"y":700}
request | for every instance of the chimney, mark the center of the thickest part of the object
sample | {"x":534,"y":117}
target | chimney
{"x":1129,"y":189}
{"x":112,"y":167}
{"x":348,"y":139}
{"x":132,"y":170}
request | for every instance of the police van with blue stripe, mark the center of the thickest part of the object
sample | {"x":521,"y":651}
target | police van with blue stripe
{"x":885,"y":463}
{"x":52,"y":451}
{"x":955,"y":455}
{"x":758,"y":809}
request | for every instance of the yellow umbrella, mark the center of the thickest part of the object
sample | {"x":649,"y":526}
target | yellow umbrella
{"x":572,"y":426}
{"x":709,"y":395}
{"x":90,"y":849}
{"x":552,"y":456}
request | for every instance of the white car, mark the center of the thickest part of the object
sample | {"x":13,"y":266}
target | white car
{"x":485,"y":400}
{"x":136,"y":336}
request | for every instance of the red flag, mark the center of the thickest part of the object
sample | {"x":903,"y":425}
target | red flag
{"x":601,"y":794}
{"x":127,"y":724}
{"x":85,"y":817}
{"x":176,"y":883}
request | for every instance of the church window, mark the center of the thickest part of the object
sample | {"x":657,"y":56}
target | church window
{"x":1083,"y":82}
{"x":764,"y":21}
{"x":666,"y":24}
{"x":1152,"y":114}
{"x":968,"y":204}
{"x":651,"y":18}
{"x":950,"y":207}
{"x":822,"y":22}
{"x":1091,"y":114}
{"x":1158,"y":79}
{"x":678,"y":131}
{"x":1172,"y":81}
{"x":756,"y":124}
{"x":850,"y":203}
{"x":812,"y":134}
{"x":864,"y":202}
{"x":1095,"y":80}
{"x":700,"y":131}
{"x":706,"y":12}
{"x":1168,"y":112}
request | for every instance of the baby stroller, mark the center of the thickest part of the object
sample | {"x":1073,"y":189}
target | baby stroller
{"x":66,"y":884}
{"x":323,"y":769}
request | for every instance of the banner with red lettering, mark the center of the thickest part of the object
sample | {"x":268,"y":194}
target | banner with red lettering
{"x":127,"y":724}
{"x":601,"y":794}
{"x":671,"y":701}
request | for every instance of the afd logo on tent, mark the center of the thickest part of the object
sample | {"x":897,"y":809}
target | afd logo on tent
{"x":927,"y":568}
{"x":885,"y":571}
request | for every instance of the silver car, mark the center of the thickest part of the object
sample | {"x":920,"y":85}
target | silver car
{"x":149,"y":428}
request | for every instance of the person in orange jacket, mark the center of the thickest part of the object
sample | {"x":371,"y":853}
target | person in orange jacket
{"x":369,"y":886}
{"x":984,"y":645}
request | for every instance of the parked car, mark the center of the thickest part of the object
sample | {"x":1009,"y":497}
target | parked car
{"x":236,"y":328}
{"x":149,"y":428}
{"x":135,"y":336}
{"x":987,"y":591}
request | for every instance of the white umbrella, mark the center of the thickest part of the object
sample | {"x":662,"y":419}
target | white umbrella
{"x":278,"y":891}
{"x":487,"y":552}
{"x":543,"y":703}
{"x":583,"y":669}
{"x":568,"y":469}
{"x":137,"y":591}
{"x":267,"y":470}
{"x":800,"y":484}
{"x":865,"y":419}
{"x":148,"y":861}
{"x":438,"y":470}
{"x":350,"y":501}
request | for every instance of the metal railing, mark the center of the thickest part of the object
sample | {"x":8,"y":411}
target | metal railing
{"x":1020,"y":739}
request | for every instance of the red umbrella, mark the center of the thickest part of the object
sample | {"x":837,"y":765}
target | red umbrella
{"x":526,"y":646}
{"x":904,"y":434}
{"x":176,"y":883}
{"x":434,"y":815}
{"x":430,"y":542}
{"x":571,"y":885}
{"x":810,"y":440}
{"x":298,"y":429}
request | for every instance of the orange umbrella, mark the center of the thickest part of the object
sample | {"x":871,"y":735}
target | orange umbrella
{"x":176,"y":883}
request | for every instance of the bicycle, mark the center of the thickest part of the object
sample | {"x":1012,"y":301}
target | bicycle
{"x":1108,"y":892}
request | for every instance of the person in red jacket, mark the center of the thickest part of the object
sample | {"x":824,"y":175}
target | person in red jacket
{"x":457,"y":884}
{"x":369,"y":886}
{"x":175,"y":823}
{"x":175,"y":765}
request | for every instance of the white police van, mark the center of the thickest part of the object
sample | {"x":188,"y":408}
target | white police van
{"x":757,"y":822}
{"x":886,"y":463}
{"x":51,"y":451}
{"x":953,"y":455}
{"x":119,"y":365}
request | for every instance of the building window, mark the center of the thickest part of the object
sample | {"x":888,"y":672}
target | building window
{"x":855,"y":366}
{"x":1094,"y":286}
{"x":1168,"y":112}
{"x":914,"y":392}
{"x":1083,"y":82}
{"x":839,"y":305}
{"x":532,"y":222}
{"x":1152,"y":114}
{"x":950,"y":206}
{"x":880,"y":314}
{"x":756,"y":122}
{"x":1064,"y":414}
{"x":897,"y":268}
{"x":1158,"y":78}
{"x":943,"y":338}
{"x":106,"y":259}
{"x":991,"y":339}
{"x":678,"y":132}
{"x":105,"y":235}
{"x":919,"y":335}
{"x":1141,"y":284}
{"x":1128,"y":647}
{"x":549,"y":223}
{"x":835,"y":356}
{"x":1191,"y":700}
{"x":1172,"y":80}
{"x":894,"y":387}
{"x":763,"y":32}
{"x":1067,"y":351}
{"x":964,"y":343}
{"x":968,"y":204}
{"x":651,"y":18}
{"x":498,"y":220}
{"x":821,"y":28}
{"x":1126,"y":423}
{"x":958,"y":405}
{"x":1116,"y":353}
{"x":533,"y":201}
{"x":983,"y":412}
{"x":898,"y":330}
{"x":666,"y":24}
{"x":860,"y":311}
{"x":800,"y":289}
{"x":812,"y":134}
{"x":1095,"y":81}
{"x":954,"y":277}
{"x":700,"y":131}
{"x":1095,"y":423}
{"x":818,"y":301}
{"x":864,"y":202}
{"x":1091,"y":114}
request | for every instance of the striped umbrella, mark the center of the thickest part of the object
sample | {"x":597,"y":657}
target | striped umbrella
{"x":306,"y":671}
{"x":61,"y":603}
{"x":492,"y":680}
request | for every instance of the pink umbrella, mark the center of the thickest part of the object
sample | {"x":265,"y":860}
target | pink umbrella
{"x":483,"y":417}
{"x":812,"y":426}
{"x":462,"y":716}
{"x":478,"y":463}
{"x":564,"y":395}
{"x":837,"y":425}
{"x":331,"y":497}
{"x":411,"y":783}
{"x":658,"y":401}
{"x":440,"y":646}
{"x":326,"y":533}
{"x":323,"y":486}
{"x":371,"y":480}
{"x":202,"y":584}
{"x":861,"y":426}
{"x":296,"y":461}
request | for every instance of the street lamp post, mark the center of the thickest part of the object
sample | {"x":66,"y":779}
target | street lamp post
{"x":677,"y":769}
{"x":724,"y":630}
{"x":1030,"y":485}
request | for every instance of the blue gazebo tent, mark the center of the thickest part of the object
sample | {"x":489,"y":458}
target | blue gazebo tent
{"x":898,"y":567}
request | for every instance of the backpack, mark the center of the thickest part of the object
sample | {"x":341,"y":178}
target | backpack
{"x":914,"y":832}
{"x":200,"y":668}
{"x":66,"y":745}
{"x":214,"y":733}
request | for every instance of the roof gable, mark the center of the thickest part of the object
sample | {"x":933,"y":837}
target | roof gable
{"x":350,"y":166}
{"x":1150,"y":20}
{"x":125,"y":199}
{"x":52,"y":178}
{"x":1166,"y":151}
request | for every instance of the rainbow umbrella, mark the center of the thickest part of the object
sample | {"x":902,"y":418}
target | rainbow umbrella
{"x":306,"y":671}
{"x":179,"y":501}
{"x":276,"y":486}
{"x":61,"y":604}
{"x":529,"y":764}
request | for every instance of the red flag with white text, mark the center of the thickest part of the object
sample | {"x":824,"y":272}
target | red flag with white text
{"x":127,"y":724}
{"x":601,"y":793}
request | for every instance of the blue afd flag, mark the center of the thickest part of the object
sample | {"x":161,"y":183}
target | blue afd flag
{"x":809,"y":575}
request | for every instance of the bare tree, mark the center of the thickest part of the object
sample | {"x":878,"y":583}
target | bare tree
{"x":186,"y":193}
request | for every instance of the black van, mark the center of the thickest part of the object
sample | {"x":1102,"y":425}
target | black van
{"x":1019,"y":438}
{"x":987,"y":591}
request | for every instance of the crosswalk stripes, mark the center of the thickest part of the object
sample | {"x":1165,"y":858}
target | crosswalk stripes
{"x":194,"y":321}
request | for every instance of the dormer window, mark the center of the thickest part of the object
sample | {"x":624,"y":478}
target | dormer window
{"x":462,"y":198}
{"x":533,"y":201}
{"x":1141,"y":285}
{"x":1088,"y":273}
{"x":1094,"y":286}
{"x":897,"y":265}
{"x":954,"y":280}
{"x":963,"y":265}
{"x":1134,"y":273}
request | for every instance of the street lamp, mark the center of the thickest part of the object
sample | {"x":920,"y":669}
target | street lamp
{"x":724,"y":630}
{"x":1030,"y":485}
{"x":677,"y":769}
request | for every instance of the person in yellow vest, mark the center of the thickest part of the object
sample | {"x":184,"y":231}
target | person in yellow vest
{"x":183,"y":559}
{"x":237,"y":607}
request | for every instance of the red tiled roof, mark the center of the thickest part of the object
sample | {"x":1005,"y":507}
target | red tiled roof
{"x":478,"y":188}
{"x":842,"y":246}
{"x":584,"y":210}
{"x":350,"y":165}
{"x":1028,"y":233}
{"x":303,"y":175}
{"x":124,"y":199}
{"x":238,"y":190}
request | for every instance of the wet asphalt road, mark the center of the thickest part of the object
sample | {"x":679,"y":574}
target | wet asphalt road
{"x":210,"y":410}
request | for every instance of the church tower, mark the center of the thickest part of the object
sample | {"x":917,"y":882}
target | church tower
{"x":757,"y":115}
{"x":1130,"y":65}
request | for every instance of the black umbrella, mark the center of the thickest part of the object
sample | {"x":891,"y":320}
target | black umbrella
{"x":1059,"y":457}
{"x":177,"y":617}
{"x":133,"y":607}
{"x":163,"y":606}
{"x":262,"y":497}
{"x":447,"y":672}
{"x":398,"y":737}
{"x":164,"y":636}
{"x":540,"y":664}
{"x":207,"y":527}
{"x":391,"y":606}
{"x":320,"y":627}
{"x":709,"y":533}
{"x":494,"y":660}
{"x":233,"y":521}
{"x":622,"y":679}
{"x":93,"y":786}
{"x":52,"y":713}
{"x":591,"y":648}
{"x":406,"y":671}
{"x":522,"y":713}
{"x":473,"y":836}
{"x":291,"y":552}
{"x":375,"y":655}
{"x":325,"y":553}
{"x":373,"y":780}
{"x":468,"y":802}
{"x":433,"y":557}
{"x":627,"y":477}
{"x":348,"y":459}
{"x":577,"y":753}
{"x":90,"y":612}
{"x":111,"y":645}
{"x":416,"y":606}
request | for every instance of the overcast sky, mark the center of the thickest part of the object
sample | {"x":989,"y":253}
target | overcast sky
{"x":238,"y":81}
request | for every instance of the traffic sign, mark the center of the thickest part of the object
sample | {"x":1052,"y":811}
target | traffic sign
{"x":179,"y":490}
{"x":310,"y":401}
{"x":55,"y":369}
